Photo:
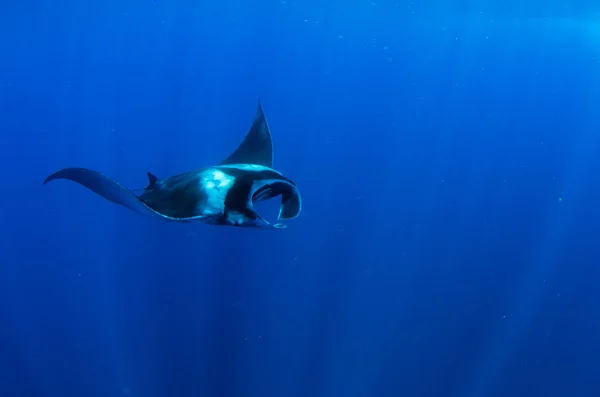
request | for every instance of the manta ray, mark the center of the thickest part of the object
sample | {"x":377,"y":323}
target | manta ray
{"x":223,"y":194}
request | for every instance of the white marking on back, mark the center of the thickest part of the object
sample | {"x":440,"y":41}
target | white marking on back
{"x":214,"y":185}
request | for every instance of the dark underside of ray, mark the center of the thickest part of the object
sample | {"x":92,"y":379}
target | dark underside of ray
{"x":257,"y":147}
{"x":106,"y":188}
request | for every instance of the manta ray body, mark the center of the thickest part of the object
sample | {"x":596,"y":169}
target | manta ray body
{"x":222,"y":194}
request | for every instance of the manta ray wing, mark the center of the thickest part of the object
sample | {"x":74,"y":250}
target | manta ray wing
{"x":257,"y":147}
{"x":108,"y":189}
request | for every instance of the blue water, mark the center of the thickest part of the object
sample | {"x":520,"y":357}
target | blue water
{"x":447,"y":157}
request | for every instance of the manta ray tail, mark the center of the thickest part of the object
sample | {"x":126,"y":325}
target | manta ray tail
{"x":106,"y":188}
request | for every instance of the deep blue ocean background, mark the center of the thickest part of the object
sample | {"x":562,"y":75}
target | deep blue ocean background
{"x":448,"y":158}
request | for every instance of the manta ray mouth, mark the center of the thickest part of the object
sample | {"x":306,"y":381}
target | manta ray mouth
{"x":290,"y":198}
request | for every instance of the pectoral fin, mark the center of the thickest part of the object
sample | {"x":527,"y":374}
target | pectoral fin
{"x":108,"y":189}
{"x":257,"y":147}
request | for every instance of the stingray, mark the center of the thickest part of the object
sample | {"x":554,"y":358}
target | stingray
{"x":223,"y":194}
